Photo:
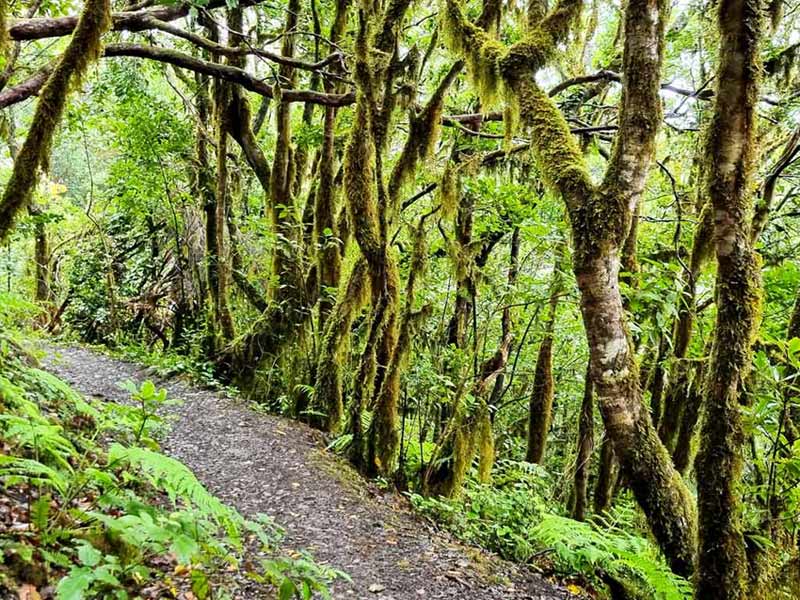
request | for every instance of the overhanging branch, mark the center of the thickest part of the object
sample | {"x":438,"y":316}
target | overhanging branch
{"x":249,"y":82}
{"x":138,"y":20}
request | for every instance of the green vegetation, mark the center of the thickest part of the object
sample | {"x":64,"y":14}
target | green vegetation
{"x":533,"y":264}
{"x":118,"y":520}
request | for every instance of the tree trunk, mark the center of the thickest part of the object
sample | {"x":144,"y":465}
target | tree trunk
{"x":601,"y":221}
{"x":722,"y":564}
{"x":585,"y":448}
{"x":683,"y":456}
{"x":607,"y":474}
{"x":34,"y":156}
{"x":44,"y":294}
{"x":541,"y":402}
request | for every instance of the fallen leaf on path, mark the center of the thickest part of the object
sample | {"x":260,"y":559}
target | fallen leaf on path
{"x":28,"y":592}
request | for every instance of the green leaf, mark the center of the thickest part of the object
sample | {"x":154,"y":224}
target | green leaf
{"x":89,"y":555}
{"x":184,"y":548}
{"x":74,"y":585}
{"x":40,"y":512}
{"x":287,"y":590}
{"x":200,"y":586}
{"x":148,"y":389}
{"x":106,"y":575}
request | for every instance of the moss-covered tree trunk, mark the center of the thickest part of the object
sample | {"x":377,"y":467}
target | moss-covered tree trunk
{"x":326,"y":230}
{"x":352,"y":298}
{"x":288,"y":307}
{"x":372,"y":206}
{"x":34,"y":156}
{"x":217,"y":221}
{"x":600,"y":218}
{"x":41,"y":259}
{"x":607,"y":474}
{"x":683,"y":454}
{"x":383,"y":441}
{"x":722,"y":563}
{"x":583,"y":456}
{"x":364,"y":190}
{"x":540,"y":408}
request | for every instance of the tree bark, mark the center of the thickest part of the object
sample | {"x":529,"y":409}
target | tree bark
{"x":732,"y":147}
{"x":585,"y":448}
{"x":541,"y":402}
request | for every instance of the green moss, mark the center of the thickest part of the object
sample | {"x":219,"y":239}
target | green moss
{"x":557,"y":152}
{"x":359,"y":181}
{"x":384,"y":440}
{"x":329,"y":380}
{"x":480,"y":50}
{"x":485,"y":448}
{"x":449,"y":191}
{"x":3,"y":30}
{"x":83,"y":49}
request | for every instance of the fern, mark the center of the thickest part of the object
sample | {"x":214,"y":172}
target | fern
{"x":107,"y":497}
{"x":59,"y":390}
{"x":583,"y":547}
{"x":43,"y":438}
{"x":173,"y":477}
{"x":14,"y":470}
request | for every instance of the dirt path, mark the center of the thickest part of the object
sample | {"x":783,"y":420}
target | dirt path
{"x":261,"y":463}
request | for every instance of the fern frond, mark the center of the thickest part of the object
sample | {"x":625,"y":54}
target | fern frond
{"x":14,"y":470}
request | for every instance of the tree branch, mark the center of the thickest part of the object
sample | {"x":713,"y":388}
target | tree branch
{"x":138,"y":20}
{"x":250,"y":82}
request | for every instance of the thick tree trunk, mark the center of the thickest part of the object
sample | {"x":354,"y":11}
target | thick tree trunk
{"x":722,"y":565}
{"x":601,"y":221}
{"x":645,"y":462}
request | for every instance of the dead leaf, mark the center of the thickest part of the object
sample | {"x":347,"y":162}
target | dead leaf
{"x":28,"y":592}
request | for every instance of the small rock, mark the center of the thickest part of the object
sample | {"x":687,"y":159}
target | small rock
{"x":376,"y":588}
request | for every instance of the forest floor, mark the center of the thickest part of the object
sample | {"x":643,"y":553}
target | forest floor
{"x":260,"y":463}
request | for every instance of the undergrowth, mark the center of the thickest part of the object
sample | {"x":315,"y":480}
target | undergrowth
{"x":511,"y":517}
{"x":89,"y":507}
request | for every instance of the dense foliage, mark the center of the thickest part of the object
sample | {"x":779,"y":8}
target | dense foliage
{"x":521,"y":260}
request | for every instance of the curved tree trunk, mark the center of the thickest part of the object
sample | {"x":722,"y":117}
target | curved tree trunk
{"x":601,"y":219}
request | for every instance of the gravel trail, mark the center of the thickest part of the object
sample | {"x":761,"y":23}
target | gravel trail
{"x":261,"y":463}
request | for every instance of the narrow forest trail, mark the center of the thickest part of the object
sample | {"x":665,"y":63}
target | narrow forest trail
{"x":267,"y":464}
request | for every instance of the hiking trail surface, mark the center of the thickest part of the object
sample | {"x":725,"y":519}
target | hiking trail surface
{"x":260,"y":463}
